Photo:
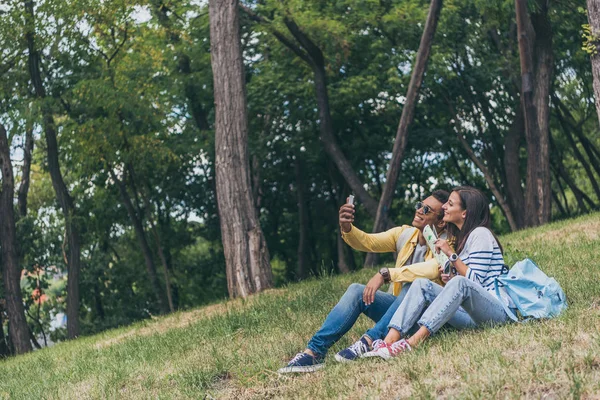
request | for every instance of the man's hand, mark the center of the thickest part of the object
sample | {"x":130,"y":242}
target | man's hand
{"x":372,"y":287}
{"x":346,"y":217}
{"x":443,"y":246}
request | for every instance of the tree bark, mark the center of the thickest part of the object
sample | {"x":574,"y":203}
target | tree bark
{"x":26,"y":172}
{"x":304,"y":244}
{"x":512,"y":170}
{"x":576,"y":126}
{"x":4,"y":350}
{"x":62,"y":193}
{"x":535,"y":51}
{"x":140,"y":234}
{"x":408,"y":113}
{"x":579,"y":156}
{"x":562,"y":192}
{"x":11,"y":272}
{"x":593,"y":10}
{"x":506,"y":210}
{"x":244,"y":245}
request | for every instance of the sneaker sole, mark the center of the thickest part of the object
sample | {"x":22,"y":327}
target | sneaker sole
{"x":341,"y":359}
{"x":374,"y":354}
{"x":290,"y":370}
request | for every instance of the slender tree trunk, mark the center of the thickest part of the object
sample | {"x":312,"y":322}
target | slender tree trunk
{"x":25,"y":174}
{"x":406,"y":119}
{"x":62,"y":193}
{"x":140,"y":234}
{"x":4,"y":350}
{"x":512,"y":170}
{"x":579,"y":156}
{"x":535,"y":50}
{"x":11,"y":272}
{"x":562,"y":191}
{"x":332,"y":147}
{"x":560,"y":207}
{"x":246,"y":252}
{"x":590,"y":149}
{"x":163,"y":260}
{"x":304,"y":252}
{"x":593,"y":9}
{"x":408,"y":114}
{"x":506,"y":210}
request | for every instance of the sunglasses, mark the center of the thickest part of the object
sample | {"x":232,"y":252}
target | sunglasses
{"x":425,"y":207}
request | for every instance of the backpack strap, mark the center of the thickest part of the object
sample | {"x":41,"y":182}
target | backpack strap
{"x":506,"y":309}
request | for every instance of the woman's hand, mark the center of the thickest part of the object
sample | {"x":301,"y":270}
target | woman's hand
{"x":445,"y":277}
{"x":443,"y":246}
{"x":372,"y":287}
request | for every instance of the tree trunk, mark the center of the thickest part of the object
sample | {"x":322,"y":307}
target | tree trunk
{"x":304,"y":246}
{"x":506,"y":210}
{"x":576,"y":126}
{"x":512,"y":170}
{"x":593,"y":9}
{"x":4,"y":350}
{"x":140,"y":234}
{"x":11,"y":273}
{"x":535,"y":51}
{"x":163,"y":261}
{"x":25,"y":175}
{"x":244,"y":245}
{"x":62,"y":193}
{"x":560,"y":207}
{"x":562,"y":192}
{"x":579,"y":156}
{"x":408,"y":113}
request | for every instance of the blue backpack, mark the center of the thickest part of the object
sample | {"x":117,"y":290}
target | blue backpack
{"x":535,"y":294}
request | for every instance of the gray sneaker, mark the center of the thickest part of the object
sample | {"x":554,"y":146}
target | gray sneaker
{"x":303,"y":362}
{"x":353,"y":352}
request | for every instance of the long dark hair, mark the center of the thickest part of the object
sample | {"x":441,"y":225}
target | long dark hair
{"x":478,"y":214}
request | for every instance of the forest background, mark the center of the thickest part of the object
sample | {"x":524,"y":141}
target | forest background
{"x":108,"y":153}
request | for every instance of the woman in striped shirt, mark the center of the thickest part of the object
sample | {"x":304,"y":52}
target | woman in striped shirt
{"x":475,"y":265}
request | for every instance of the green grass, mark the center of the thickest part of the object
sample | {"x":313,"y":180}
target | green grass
{"x":232,"y":350}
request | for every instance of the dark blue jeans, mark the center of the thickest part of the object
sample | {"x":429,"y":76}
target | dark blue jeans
{"x":344,"y":315}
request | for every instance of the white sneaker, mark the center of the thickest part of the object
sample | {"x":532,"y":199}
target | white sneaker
{"x":388,"y":351}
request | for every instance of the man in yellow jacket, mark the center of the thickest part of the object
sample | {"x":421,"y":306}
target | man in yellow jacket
{"x":414,"y":260}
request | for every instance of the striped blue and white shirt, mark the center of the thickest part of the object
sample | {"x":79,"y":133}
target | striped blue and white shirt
{"x":483,"y":257}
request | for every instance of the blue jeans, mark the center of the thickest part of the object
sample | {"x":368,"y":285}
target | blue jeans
{"x":344,"y":315}
{"x":431,"y":305}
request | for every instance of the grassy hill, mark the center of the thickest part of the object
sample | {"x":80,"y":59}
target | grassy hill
{"x":233,"y":349}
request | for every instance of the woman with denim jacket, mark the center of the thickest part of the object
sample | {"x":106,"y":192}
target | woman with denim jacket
{"x":476,"y":263}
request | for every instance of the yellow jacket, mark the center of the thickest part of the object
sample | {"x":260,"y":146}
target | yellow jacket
{"x":385,"y":242}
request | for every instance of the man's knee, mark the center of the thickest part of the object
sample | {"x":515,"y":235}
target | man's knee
{"x":354,"y":290}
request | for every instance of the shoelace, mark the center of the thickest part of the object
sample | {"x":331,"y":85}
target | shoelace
{"x":378,"y":344}
{"x":296,"y":358}
{"x":399,"y":346}
{"x":358,"y":348}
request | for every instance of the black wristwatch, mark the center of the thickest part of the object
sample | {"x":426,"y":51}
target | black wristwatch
{"x":385,"y":272}
{"x":453,"y":257}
